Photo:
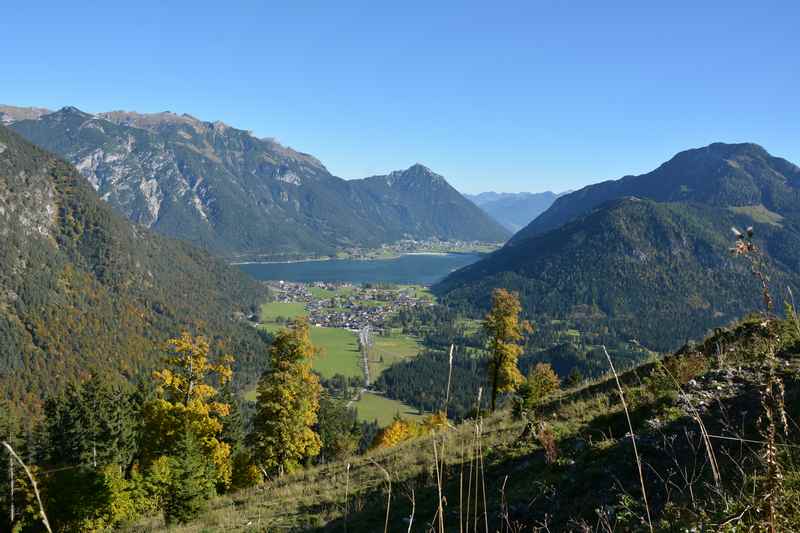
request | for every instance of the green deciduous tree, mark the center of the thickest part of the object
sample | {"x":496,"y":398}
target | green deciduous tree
{"x":542,"y":381}
{"x":288,"y":400}
{"x":504,"y":332}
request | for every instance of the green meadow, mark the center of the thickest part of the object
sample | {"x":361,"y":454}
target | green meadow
{"x":387,"y":350}
{"x":272,"y":310}
{"x":338,"y":350}
{"x":376,"y":407}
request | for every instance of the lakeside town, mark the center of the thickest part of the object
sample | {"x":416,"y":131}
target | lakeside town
{"x":385,"y":251}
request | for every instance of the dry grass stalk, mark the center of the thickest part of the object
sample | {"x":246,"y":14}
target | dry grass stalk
{"x":33,"y":483}
{"x":346,"y":495}
{"x":461,"y":491}
{"x":413,"y":508}
{"x":440,"y":508}
{"x":772,"y":395}
{"x":449,"y":376}
{"x":633,"y":438}
{"x":388,"y":496}
{"x":483,"y":478}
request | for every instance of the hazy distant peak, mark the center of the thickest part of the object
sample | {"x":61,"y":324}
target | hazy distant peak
{"x":152,"y":121}
{"x":9,"y":114}
{"x":513,"y":210}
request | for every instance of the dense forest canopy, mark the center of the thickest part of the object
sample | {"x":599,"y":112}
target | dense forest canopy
{"x":82,"y":288}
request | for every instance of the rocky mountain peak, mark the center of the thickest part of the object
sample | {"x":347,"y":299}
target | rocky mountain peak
{"x":416,"y":173}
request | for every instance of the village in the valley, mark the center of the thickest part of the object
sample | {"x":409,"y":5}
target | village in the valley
{"x":349,"y":306}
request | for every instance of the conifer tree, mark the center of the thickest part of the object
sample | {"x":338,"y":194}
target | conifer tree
{"x":575,"y":377}
{"x":233,"y":424}
{"x":504,"y":331}
{"x":92,"y":424}
{"x":288,"y":400}
{"x":191,"y":480}
{"x":337,"y":428}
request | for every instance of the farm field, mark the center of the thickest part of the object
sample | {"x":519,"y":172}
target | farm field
{"x":389,"y":350}
{"x":339,"y":348}
{"x":376,"y":407}
{"x":323,"y":294}
{"x":340,"y":353}
{"x":272,"y":310}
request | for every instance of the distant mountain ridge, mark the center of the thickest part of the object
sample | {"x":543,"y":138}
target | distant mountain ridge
{"x":239,"y":196}
{"x":514,"y":210}
{"x":648,"y":257}
{"x":719,"y":174}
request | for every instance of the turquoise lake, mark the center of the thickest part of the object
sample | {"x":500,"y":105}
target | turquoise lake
{"x":416,"y":269}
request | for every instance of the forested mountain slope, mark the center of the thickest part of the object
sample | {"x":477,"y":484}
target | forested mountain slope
{"x":236,"y":195}
{"x":81,"y":288}
{"x":657,"y":270}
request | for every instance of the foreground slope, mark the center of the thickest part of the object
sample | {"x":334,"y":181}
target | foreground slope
{"x":82,"y":289}
{"x":573,"y":468}
{"x":230,"y":192}
{"x":657,"y":270}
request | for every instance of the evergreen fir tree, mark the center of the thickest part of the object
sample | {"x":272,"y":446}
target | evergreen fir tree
{"x":92,"y":424}
{"x":232,"y":424}
{"x":191,"y":481}
{"x":575,"y":377}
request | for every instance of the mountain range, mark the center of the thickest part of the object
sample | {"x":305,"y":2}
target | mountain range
{"x":83,"y":290}
{"x":648,"y":257}
{"x":513,"y":210}
{"x":240,"y":196}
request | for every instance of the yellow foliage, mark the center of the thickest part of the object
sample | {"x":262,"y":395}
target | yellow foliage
{"x":188,"y":404}
{"x":435,"y":422}
{"x":402,"y":430}
{"x":543,"y":381}
{"x":398,"y":431}
{"x":505,"y":332}
{"x":287,"y":403}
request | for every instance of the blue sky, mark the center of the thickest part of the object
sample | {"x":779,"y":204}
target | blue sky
{"x":503,"y":96}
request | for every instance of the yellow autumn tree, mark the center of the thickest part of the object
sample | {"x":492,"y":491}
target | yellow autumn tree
{"x":187,"y":402}
{"x":401,"y":430}
{"x":283,"y":433}
{"x":398,"y":431}
{"x":505,"y":332}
